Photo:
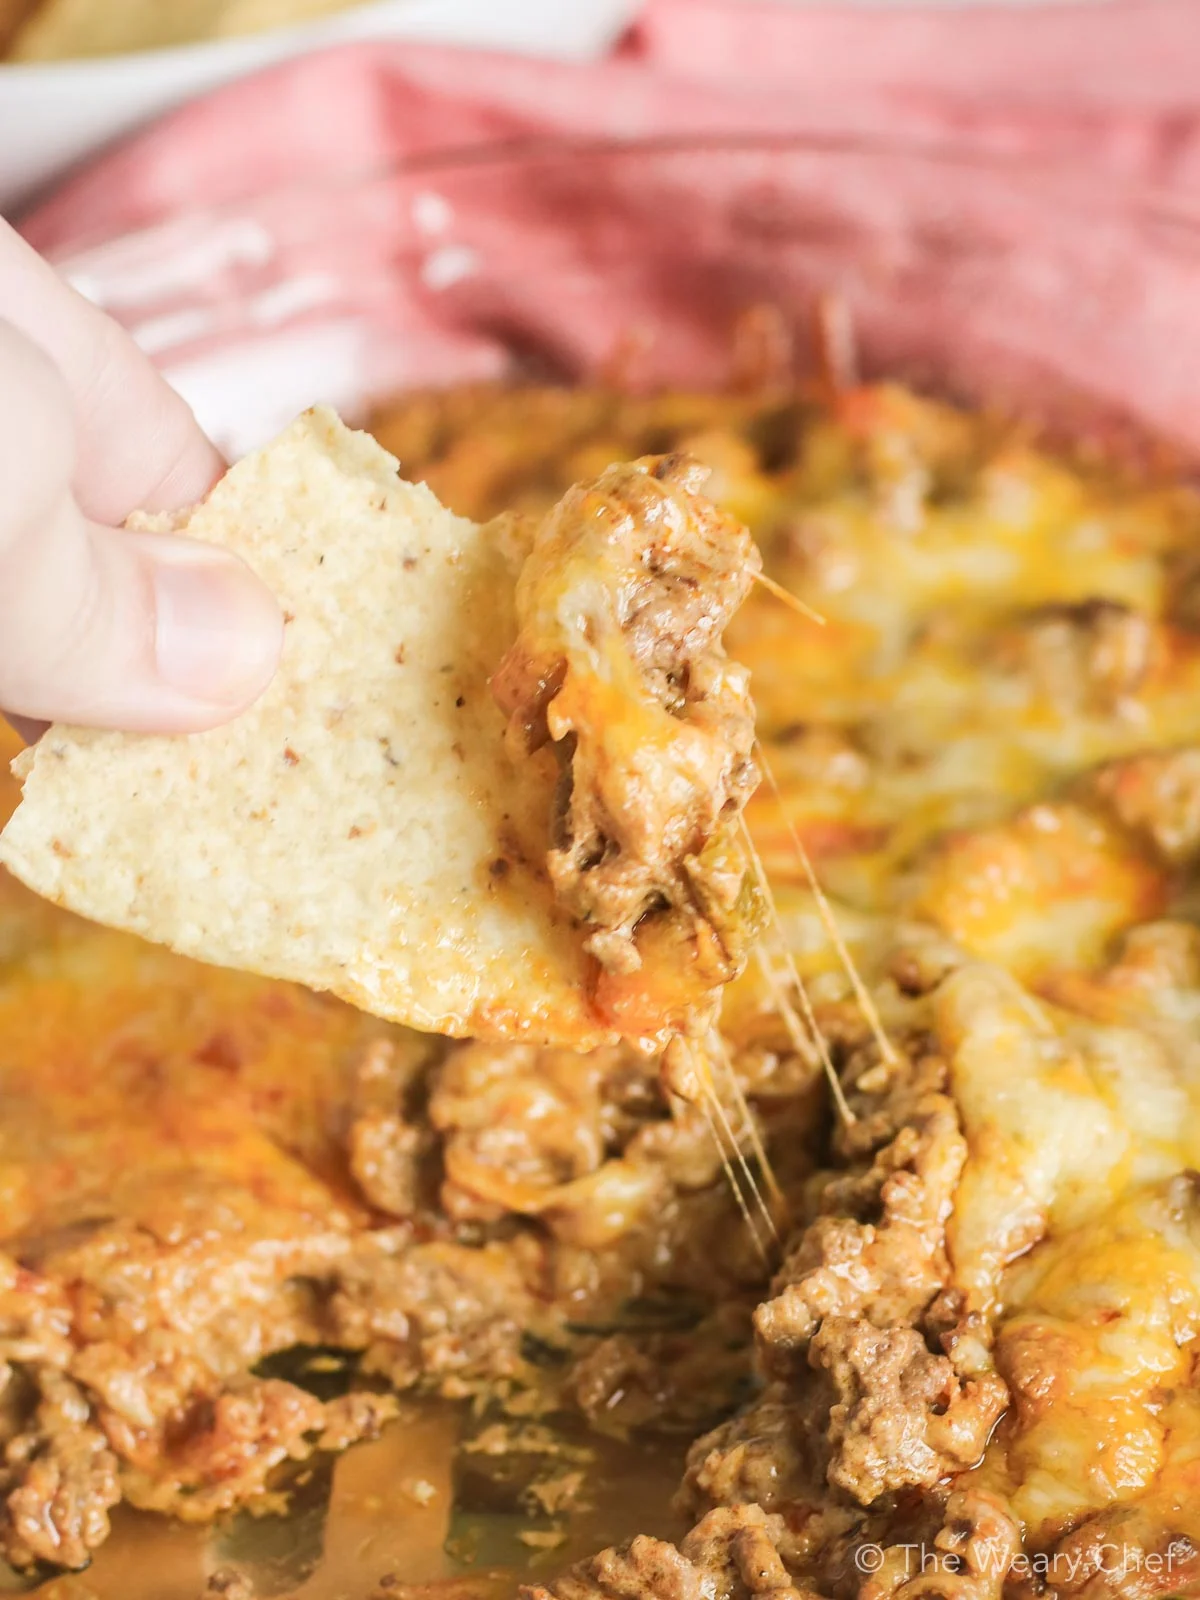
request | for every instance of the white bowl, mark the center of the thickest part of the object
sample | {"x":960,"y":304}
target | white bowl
{"x":52,"y":115}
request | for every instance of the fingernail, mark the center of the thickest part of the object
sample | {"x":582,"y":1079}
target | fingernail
{"x":218,"y":630}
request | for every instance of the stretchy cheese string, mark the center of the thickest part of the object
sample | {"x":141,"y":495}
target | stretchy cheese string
{"x":714,"y":1114}
{"x":803,"y":1045}
{"x":789,"y":599}
{"x":866,"y":1005}
{"x":719,"y":1052}
{"x":789,"y":1016}
{"x":809,"y":1046}
{"x":744,"y":1167}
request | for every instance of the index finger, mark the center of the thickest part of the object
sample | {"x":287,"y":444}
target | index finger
{"x":138,"y":445}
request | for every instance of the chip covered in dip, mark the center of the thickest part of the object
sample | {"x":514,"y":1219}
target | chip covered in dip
{"x":370,"y":826}
{"x":619,"y":663}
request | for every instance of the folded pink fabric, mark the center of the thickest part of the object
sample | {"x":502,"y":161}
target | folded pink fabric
{"x":1138,"y":55}
{"x":1007,"y":200}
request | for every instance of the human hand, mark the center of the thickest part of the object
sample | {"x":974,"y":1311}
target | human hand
{"x":100,"y":626}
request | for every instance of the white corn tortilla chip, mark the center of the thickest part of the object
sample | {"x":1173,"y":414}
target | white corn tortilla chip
{"x":362,"y":828}
{"x":66,"y":30}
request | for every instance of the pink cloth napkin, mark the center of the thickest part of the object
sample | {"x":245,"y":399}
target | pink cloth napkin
{"x":303,"y":225}
{"x":1136,"y":55}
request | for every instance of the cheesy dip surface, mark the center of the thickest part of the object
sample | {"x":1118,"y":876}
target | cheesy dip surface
{"x":965,"y":1366}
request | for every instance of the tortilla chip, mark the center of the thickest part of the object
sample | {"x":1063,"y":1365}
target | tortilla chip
{"x":363,"y":828}
{"x":67,"y":30}
{"x":12,"y":14}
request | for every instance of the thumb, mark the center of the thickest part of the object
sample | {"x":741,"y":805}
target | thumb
{"x":100,"y":626}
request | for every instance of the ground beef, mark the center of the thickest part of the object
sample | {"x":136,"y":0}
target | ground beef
{"x":594,"y":1145}
{"x":848,"y":1324}
{"x":981,"y":1535}
{"x":59,"y":1480}
{"x":140,"y":1390}
{"x":385,"y":1162}
{"x":730,"y":1555}
{"x":644,"y":1569}
{"x":387,"y":1147}
{"x":607,"y":1374}
{"x":520,"y":1123}
{"x":226,"y":1449}
{"x":968,"y":1557}
{"x":898,"y":1414}
{"x":1120,"y":1553}
{"x":442,"y":1313}
{"x":757,"y":1456}
{"x":362,"y":1414}
{"x":622,"y":604}
{"x":738,"y":1545}
{"x":879,"y":1385}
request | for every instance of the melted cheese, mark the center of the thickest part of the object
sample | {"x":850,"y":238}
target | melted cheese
{"x":997,"y":623}
{"x":953,"y":710}
{"x":1097,"y":1339}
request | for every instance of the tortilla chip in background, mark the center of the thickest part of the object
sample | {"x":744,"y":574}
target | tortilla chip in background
{"x":12,"y":14}
{"x":66,"y":30}
{"x":362,"y":828}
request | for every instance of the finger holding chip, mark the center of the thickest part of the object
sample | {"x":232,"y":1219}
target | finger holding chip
{"x":366,"y":827}
{"x":100,"y":626}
